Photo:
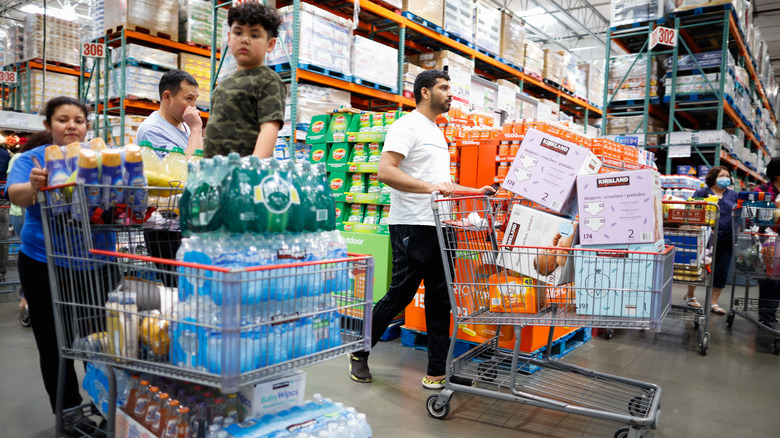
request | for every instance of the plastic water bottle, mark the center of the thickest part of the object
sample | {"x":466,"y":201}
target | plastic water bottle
{"x":207,"y":197}
{"x":365,"y":428}
{"x":325,"y":213}
{"x":213,"y":429}
{"x":276,"y":194}
{"x":238,"y":206}
{"x":303,"y":216}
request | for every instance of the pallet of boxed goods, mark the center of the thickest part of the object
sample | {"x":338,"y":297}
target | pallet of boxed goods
{"x":158,"y":18}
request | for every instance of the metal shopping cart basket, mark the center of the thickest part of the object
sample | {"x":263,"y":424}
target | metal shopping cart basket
{"x":756,"y":256}
{"x":691,"y":228}
{"x":215,"y":326}
{"x":612,"y":289}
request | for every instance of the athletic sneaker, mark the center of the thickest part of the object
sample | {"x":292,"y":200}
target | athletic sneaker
{"x":358,"y":369}
{"x":432,"y":384}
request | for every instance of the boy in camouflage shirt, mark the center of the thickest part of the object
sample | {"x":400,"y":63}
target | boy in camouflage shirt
{"x":248,"y":105}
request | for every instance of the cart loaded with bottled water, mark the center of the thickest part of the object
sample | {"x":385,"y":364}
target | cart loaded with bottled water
{"x":259,"y":286}
{"x":612,"y":289}
{"x":690,"y":226}
{"x":757,"y":257}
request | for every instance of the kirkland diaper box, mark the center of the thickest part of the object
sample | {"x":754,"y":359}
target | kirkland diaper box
{"x":612,"y":282}
{"x":529,"y":227}
{"x":545,"y":170}
{"x":273,"y":395}
{"x":620,"y":207}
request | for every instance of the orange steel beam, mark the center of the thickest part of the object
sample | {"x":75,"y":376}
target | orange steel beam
{"x":57,"y":69}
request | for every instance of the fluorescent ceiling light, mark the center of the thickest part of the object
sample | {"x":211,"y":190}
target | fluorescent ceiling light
{"x":32,"y":9}
{"x":68,"y":12}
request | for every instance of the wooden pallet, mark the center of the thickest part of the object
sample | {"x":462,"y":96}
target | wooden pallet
{"x":141,"y":29}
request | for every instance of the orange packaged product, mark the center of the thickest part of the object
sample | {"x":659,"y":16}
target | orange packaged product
{"x":503,"y":170}
{"x":563,"y":294}
{"x":503,"y":149}
{"x":511,"y":292}
{"x":488,"y":331}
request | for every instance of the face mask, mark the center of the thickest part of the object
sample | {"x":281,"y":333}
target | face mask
{"x":723,"y":182}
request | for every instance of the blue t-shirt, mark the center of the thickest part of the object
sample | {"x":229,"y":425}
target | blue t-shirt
{"x":33,"y":243}
{"x":162,"y":134}
{"x":725,"y":205}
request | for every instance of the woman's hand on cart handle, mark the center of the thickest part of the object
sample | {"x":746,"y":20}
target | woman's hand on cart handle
{"x":38,"y":180}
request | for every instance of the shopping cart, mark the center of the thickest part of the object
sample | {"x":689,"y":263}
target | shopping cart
{"x":9,"y":251}
{"x":612,"y":289}
{"x":691,"y":228}
{"x":757,"y":258}
{"x":221,"y":327}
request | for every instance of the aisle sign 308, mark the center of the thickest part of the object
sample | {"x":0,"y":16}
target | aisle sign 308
{"x":664,"y":36}
{"x":92,"y":50}
{"x":7,"y":77}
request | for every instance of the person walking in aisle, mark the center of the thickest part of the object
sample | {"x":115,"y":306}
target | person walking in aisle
{"x":66,"y":121}
{"x":769,"y":290}
{"x":415,"y":163}
{"x":177,"y":123}
{"x":718,"y":181}
{"x":248,"y":108}
{"x":5,"y":158}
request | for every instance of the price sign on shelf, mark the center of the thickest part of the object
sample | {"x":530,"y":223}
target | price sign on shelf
{"x":506,"y":99}
{"x":664,"y":36}
{"x":460,"y":85}
{"x":92,"y":50}
{"x":8,"y":77}
{"x":680,"y":151}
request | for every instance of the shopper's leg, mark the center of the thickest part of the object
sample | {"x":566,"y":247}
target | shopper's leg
{"x":17,"y":222}
{"x":437,"y":306}
{"x":768,"y":295}
{"x":35,"y":280}
{"x":164,"y":244}
{"x":407,"y":275}
{"x":4,"y":229}
{"x":720,"y":271}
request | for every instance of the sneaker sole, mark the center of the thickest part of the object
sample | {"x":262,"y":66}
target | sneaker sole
{"x":359,"y":379}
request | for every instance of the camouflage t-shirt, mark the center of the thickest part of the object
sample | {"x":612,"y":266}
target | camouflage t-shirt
{"x":242,"y":102}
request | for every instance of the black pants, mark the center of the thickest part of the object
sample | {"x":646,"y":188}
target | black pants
{"x":77,"y":321}
{"x":768,"y":299}
{"x":164,"y":244}
{"x":416,"y":257}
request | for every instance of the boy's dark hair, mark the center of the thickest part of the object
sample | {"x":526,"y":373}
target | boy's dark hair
{"x":253,"y":12}
{"x":773,"y":169}
{"x":56,"y":102}
{"x":171,"y":81}
{"x":712,"y":175}
{"x":427,"y":79}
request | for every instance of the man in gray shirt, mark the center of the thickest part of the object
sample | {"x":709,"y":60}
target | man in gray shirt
{"x":177,"y":123}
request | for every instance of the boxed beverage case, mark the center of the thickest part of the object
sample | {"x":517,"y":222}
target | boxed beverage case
{"x":487,"y":31}
{"x":459,"y":18}
{"x":611,"y":282}
{"x":530,"y":227}
{"x":620,"y":208}
{"x":430,"y":10}
{"x":545,"y":170}
{"x":160,"y":17}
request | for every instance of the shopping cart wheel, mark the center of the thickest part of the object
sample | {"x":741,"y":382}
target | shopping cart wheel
{"x":705,"y":343}
{"x":24,"y":318}
{"x":609,"y":333}
{"x":638,"y":406}
{"x":435,"y":412}
{"x":623,"y":432}
{"x":730,"y":319}
{"x":776,"y":346}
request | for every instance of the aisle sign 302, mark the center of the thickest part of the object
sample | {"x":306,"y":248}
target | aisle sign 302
{"x":664,"y":36}
{"x":7,"y":77}
{"x":92,"y":50}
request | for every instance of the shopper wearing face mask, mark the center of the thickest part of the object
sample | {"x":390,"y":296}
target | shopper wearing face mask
{"x":718,"y":183}
{"x":769,"y":290}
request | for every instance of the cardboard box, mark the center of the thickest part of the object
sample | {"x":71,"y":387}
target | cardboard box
{"x":338,"y":157}
{"x":615,"y":283}
{"x":553,"y":66}
{"x":161,"y":17}
{"x":534,"y":59}
{"x":442,"y":60}
{"x":487,"y":29}
{"x":459,"y":18}
{"x":431,"y":10}
{"x":534,"y":228}
{"x":512,"y":39}
{"x":545,"y":170}
{"x":273,"y":395}
{"x":622,"y":208}
{"x":128,"y":427}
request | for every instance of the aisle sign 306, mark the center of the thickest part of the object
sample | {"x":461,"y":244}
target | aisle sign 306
{"x":664,"y":36}
{"x":92,"y":50}
{"x":8,"y":77}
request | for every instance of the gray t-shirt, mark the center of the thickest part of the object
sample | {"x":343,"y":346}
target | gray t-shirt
{"x":162,"y":134}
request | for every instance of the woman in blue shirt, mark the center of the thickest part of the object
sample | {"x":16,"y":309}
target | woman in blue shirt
{"x":718,"y":181}
{"x":66,"y":121}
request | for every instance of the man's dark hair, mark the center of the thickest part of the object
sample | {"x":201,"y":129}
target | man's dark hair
{"x":252,"y":13}
{"x":427,"y":79}
{"x":773,"y":169}
{"x":56,"y":102}
{"x":712,"y":175}
{"x":171,"y":81}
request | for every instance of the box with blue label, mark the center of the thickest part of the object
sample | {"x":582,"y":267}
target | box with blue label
{"x":618,"y":280}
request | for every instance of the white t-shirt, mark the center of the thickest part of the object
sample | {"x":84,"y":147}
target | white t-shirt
{"x":426,"y":158}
